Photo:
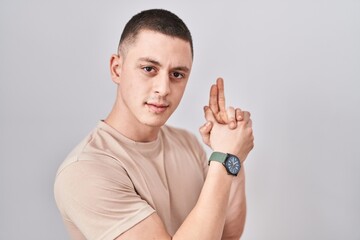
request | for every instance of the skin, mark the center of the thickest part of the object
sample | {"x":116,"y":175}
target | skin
{"x":151,"y":76}
{"x":235,"y":220}
{"x":217,"y":105}
{"x":228,"y":116}
{"x":151,"y":79}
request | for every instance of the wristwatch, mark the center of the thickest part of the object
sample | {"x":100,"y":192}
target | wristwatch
{"x":231,"y":162}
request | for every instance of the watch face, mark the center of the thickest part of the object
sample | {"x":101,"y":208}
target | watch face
{"x":233,"y":165}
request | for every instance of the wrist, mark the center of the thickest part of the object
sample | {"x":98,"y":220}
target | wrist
{"x":231,"y":163}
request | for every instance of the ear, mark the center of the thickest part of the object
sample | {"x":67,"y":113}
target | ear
{"x":115,"y":68}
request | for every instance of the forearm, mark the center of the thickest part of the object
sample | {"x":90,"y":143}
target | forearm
{"x":206,"y":221}
{"x":236,"y":210}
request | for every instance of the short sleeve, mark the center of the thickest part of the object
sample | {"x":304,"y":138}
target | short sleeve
{"x":99,"y":199}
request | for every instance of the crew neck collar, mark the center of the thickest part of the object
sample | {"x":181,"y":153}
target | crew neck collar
{"x":120,"y":137}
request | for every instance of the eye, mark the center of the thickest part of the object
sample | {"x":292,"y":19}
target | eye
{"x":178,"y":75}
{"x":148,"y":69}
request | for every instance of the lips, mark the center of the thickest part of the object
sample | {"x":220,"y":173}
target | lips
{"x":157,"y":107}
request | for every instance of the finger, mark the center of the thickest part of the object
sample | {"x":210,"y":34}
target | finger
{"x":231,"y":117}
{"x":213,"y":99}
{"x":249,"y":124}
{"x":239,"y":114}
{"x":205,"y":132}
{"x":246,"y":116}
{"x":221,"y":94}
{"x":205,"y":129}
{"x":209,"y":116}
{"x":221,"y":99}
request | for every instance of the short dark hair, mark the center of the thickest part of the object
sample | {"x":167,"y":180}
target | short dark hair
{"x":158,"y":20}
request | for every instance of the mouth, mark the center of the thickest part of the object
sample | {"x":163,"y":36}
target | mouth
{"x":157,"y":107}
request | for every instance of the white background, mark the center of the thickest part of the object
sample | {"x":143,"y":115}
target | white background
{"x":294,"y":64}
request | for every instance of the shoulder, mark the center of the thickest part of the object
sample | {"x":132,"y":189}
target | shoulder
{"x":88,"y":192}
{"x":90,"y":164}
{"x":100,"y":146}
{"x":86,"y":176}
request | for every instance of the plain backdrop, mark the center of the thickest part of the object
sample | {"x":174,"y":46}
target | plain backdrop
{"x":294,"y":64}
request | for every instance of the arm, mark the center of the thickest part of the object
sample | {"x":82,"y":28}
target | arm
{"x":236,"y":214}
{"x":207,"y":219}
{"x":235,"y":219}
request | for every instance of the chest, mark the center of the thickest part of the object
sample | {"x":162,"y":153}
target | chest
{"x":170,"y":182}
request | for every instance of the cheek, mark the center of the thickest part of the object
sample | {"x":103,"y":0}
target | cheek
{"x":133,"y":86}
{"x":178,"y":91}
{"x":182,"y":88}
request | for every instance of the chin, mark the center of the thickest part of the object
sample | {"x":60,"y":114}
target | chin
{"x":156,"y":122}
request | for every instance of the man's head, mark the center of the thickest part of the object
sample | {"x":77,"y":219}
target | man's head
{"x":157,"y":20}
{"x":151,"y":70}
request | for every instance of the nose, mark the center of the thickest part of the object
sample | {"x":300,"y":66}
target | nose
{"x":161,"y":85}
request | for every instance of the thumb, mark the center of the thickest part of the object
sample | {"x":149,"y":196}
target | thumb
{"x":205,"y":132}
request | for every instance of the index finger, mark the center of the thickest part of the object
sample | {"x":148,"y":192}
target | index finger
{"x":221,"y":94}
{"x":221,"y":100}
{"x":213,"y":99}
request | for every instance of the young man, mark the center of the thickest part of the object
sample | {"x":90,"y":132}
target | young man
{"x":134,"y":177}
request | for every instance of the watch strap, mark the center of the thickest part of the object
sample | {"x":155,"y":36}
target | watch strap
{"x":218,"y":157}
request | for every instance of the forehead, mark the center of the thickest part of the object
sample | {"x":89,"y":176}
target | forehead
{"x":160,"y":46}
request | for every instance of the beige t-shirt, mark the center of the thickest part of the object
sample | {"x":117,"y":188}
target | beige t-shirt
{"x":109,"y":183}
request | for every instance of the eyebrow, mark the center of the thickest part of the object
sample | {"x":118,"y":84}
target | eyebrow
{"x":157,"y":63}
{"x":150,"y":60}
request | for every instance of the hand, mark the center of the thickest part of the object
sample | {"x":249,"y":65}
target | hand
{"x":206,"y":128}
{"x":222,"y":115}
{"x":237,"y":141}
